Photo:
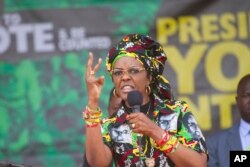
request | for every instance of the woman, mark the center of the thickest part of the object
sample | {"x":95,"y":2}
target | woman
{"x":137,"y":63}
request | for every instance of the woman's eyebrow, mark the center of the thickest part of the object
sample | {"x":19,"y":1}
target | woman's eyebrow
{"x":128,"y":67}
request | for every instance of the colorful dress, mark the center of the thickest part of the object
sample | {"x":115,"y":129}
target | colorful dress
{"x":173,"y":117}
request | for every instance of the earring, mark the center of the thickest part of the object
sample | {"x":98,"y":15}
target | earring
{"x":115,"y":94}
{"x":148,"y":90}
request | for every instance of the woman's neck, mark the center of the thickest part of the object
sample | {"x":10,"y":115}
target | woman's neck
{"x":145,"y":107}
{"x":144,"y":101}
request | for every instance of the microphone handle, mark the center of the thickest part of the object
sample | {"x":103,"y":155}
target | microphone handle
{"x":136,"y":108}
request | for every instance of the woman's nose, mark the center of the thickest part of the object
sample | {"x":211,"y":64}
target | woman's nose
{"x":126,"y":76}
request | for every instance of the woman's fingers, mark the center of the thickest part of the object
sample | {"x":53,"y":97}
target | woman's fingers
{"x":100,"y":80}
{"x":90,"y":70}
{"x":90,"y":63}
{"x":138,"y":121}
{"x":97,"y":66}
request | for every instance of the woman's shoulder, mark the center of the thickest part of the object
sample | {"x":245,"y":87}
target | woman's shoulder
{"x":178,"y":105}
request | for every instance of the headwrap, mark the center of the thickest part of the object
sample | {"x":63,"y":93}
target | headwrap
{"x":150,"y":53}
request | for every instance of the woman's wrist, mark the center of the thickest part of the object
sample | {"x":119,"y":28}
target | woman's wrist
{"x":164,"y":138}
{"x":93,"y":109}
{"x":157,"y":134}
{"x":167,"y":143}
{"x":92,"y":117}
{"x":93,"y":104}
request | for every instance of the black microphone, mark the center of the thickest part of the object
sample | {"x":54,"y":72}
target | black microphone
{"x":135,"y":100}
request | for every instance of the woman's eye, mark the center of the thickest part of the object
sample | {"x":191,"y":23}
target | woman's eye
{"x":133,"y":71}
{"x":117,"y":73}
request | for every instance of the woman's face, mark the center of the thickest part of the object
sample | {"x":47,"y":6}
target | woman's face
{"x":129,"y":74}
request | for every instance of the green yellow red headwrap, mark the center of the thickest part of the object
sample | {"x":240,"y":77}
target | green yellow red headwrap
{"x":150,"y":53}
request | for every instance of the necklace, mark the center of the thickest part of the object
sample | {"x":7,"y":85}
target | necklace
{"x":150,"y":162}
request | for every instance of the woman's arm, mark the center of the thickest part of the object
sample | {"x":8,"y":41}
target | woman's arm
{"x":184,"y":156}
{"x":98,"y":154}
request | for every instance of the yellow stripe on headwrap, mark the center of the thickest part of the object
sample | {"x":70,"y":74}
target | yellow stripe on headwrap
{"x":125,"y":54}
{"x":163,"y":78}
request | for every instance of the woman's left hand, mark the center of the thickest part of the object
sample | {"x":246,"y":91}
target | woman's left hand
{"x":140,"y":123}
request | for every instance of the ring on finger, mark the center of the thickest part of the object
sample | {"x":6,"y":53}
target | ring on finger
{"x":92,"y":72}
{"x":132,"y":125}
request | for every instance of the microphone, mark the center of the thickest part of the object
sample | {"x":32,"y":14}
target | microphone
{"x":135,"y":100}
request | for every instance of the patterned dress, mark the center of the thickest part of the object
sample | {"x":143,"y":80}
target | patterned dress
{"x":173,"y":117}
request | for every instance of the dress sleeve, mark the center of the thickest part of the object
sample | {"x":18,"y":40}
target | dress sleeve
{"x":188,"y":131}
{"x":106,"y":134}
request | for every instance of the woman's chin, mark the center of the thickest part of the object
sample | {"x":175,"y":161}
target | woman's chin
{"x":124,"y":96}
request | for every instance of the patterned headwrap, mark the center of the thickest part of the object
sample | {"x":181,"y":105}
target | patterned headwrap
{"x":152,"y":56}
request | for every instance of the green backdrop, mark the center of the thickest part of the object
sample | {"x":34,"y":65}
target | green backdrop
{"x":44,"y":45}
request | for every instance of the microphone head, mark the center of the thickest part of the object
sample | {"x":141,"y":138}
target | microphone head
{"x":134,"y":98}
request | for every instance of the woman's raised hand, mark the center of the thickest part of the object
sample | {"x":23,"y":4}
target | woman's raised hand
{"x":94,"y":84}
